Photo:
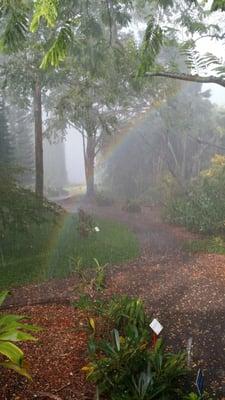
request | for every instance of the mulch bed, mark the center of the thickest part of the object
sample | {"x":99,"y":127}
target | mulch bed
{"x":186,"y":293}
{"x":55,"y":360}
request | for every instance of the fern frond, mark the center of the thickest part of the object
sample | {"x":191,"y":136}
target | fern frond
{"x":220,"y":71}
{"x":197,"y":62}
{"x":151,"y":46}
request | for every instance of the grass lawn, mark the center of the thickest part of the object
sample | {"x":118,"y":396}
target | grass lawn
{"x":46,"y":251}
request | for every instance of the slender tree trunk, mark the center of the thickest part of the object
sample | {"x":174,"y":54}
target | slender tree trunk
{"x":89,"y":166}
{"x":39,"y":169}
{"x":184,"y":159}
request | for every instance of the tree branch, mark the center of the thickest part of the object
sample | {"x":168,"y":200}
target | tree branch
{"x":188,"y":77}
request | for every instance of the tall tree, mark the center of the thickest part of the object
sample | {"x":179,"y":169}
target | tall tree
{"x":25,"y":84}
{"x":22,"y":129}
{"x":6,"y":142}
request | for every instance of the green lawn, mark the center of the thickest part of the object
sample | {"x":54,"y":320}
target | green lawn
{"x":46,"y":251}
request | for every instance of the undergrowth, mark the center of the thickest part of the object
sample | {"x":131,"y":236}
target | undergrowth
{"x":209,"y":245}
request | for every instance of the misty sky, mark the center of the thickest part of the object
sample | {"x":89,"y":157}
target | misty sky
{"x":74,"y":157}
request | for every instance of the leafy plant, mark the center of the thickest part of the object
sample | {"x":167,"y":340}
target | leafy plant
{"x":203,"y":209}
{"x":99,"y":280}
{"x":213,"y":244}
{"x":194,"y":396}
{"x":123,"y":365}
{"x":132,"y":206}
{"x":123,"y":310}
{"x":103,"y":199}
{"x":126,"y":367}
{"x":12,"y":330}
{"x":85,"y":224}
{"x":77,"y":266}
{"x":94,"y":306}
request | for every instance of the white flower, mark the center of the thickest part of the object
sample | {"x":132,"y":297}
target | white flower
{"x":97,"y":229}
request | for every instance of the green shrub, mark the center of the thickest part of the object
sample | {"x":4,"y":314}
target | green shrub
{"x":125,"y":368}
{"x":203,"y":208}
{"x":104,"y":199}
{"x":209,"y":245}
{"x":132,"y":206}
{"x":12,"y":330}
{"x":85,"y":223}
{"x":19,"y":207}
{"x":87,"y":303}
{"x":122,"y":363}
{"x":123,"y":310}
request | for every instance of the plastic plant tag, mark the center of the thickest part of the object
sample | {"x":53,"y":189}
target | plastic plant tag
{"x":156,"y":326}
{"x":200,"y":381}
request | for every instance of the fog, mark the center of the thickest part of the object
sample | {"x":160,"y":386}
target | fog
{"x":74,"y":157}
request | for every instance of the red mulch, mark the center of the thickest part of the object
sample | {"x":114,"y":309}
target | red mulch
{"x":186,"y":293}
{"x":55,"y":360}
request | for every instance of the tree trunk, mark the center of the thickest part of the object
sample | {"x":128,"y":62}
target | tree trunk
{"x":89,"y":166}
{"x":39,"y":169}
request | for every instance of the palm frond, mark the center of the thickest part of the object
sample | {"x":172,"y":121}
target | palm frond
{"x":58,"y":51}
{"x":47,"y":10}
{"x":14,"y":24}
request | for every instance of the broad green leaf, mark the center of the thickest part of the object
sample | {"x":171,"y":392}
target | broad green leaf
{"x":20,"y":370}
{"x":16,"y":336}
{"x":116,"y":338}
{"x":12,"y":352}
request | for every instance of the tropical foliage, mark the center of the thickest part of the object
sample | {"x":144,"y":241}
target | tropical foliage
{"x":122,"y":363}
{"x":13,"y":329}
{"x":202,"y":209}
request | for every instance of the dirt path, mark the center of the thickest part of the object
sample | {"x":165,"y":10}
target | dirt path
{"x":186,"y":293}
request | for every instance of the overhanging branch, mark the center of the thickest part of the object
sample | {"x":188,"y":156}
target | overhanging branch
{"x":188,"y":77}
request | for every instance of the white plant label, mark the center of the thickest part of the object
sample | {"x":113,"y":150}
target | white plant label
{"x":156,"y":326}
